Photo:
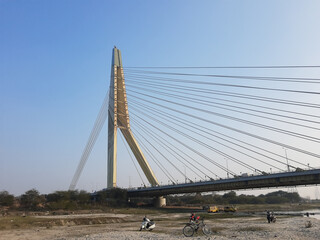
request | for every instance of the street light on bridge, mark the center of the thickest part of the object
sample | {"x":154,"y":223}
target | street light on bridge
{"x":227,"y":168}
{"x":285,"y":150}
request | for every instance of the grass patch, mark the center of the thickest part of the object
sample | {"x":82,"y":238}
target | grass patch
{"x":14,"y":222}
{"x":151,"y":210}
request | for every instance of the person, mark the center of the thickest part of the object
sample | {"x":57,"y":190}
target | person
{"x":194,"y":218}
{"x":272,"y":218}
{"x":268,"y":217}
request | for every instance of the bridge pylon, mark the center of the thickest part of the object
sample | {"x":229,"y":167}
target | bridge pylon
{"x":118,"y":118}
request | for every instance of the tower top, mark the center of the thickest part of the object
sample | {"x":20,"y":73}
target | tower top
{"x":116,"y":57}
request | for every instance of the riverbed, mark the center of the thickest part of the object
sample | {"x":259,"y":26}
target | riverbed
{"x":169,"y":226}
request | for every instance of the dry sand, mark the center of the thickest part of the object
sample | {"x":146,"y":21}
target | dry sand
{"x":168,"y":226}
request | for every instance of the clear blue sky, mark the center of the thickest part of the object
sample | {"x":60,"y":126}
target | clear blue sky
{"x":55,"y":59}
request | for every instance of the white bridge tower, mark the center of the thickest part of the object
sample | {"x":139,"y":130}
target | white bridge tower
{"x":118,"y":117}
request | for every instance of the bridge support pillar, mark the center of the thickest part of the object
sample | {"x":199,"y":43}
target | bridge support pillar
{"x":160,"y":202}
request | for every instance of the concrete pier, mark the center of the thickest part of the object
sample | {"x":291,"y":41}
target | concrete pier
{"x":160,"y":202}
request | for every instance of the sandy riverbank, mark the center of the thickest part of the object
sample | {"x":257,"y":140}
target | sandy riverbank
{"x":168,"y":226}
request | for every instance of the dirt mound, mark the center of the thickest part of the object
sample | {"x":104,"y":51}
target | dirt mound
{"x":81,"y":221}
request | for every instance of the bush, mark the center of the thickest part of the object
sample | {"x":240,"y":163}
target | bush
{"x":6,"y":199}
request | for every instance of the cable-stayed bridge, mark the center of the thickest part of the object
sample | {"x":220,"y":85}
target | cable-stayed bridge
{"x":198,"y":129}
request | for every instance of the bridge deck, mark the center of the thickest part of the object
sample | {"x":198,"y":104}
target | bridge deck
{"x":306,"y":177}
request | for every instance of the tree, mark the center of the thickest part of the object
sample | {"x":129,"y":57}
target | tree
{"x":6,"y":199}
{"x":83,"y":197}
{"x":31,"y":199}
{"x":115,"y":197}
{"x":69,"y":200}
{"x":230,"y":197}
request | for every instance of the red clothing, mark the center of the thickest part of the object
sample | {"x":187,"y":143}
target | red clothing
{"x":194,"y":218}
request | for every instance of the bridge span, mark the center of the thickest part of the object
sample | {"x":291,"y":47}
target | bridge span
{"x":304,"y":177}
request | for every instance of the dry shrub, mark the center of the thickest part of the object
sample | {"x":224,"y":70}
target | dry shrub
{"x":308,"y":224}
{"x":251,"y":229}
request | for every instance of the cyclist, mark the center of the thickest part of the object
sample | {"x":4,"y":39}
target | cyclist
{"x":194,"y":218}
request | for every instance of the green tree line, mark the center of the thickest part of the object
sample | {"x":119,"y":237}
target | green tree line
{"x":277,"y":197}
{"x":64,"y":200}
{"x":117,"y":197}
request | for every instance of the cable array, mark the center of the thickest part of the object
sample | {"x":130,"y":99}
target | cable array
{"x":133,"y":161}
{"x":194,"y":124}
{"x":101,"y":118}
{"x":211,"y":126}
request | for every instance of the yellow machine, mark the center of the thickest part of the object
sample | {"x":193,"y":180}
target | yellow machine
{"x":230,"y":209}
{"x":213,"y":209}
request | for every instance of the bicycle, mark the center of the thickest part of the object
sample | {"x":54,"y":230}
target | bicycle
{"x":193,"y":227}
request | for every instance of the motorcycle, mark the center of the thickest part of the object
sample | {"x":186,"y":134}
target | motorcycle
{"x":147,"y":224}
